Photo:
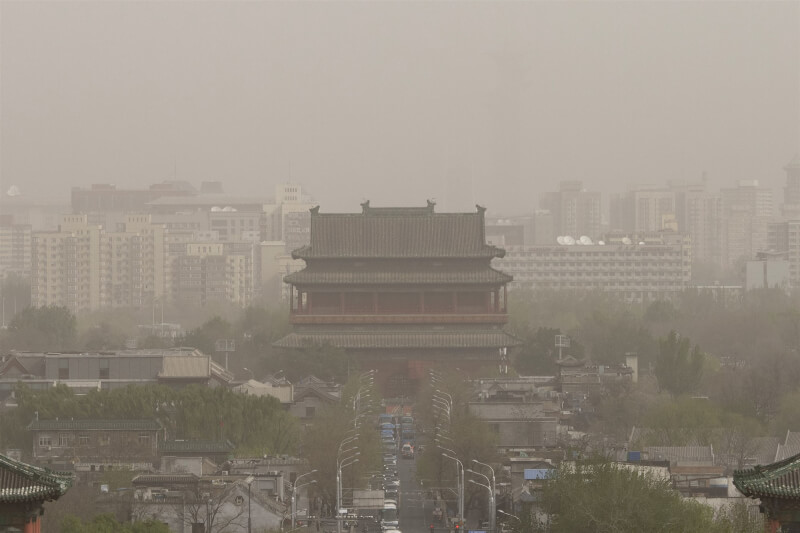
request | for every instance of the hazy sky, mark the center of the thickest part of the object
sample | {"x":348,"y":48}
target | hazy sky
{"x":394,"y":101}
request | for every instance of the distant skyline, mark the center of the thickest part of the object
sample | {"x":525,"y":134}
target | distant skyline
{"x":398,"y":102}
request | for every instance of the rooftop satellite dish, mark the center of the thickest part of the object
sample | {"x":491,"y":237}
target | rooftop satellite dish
{"x":569,"y":241}
{"x":626,"y":240}
{"x":585,"y":240}
{"x":601,"y":243}
{"x":560,"y":239}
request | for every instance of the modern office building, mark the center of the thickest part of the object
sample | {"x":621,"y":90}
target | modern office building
{"x":576,"y":211}
{"x":636,"y":268}
{"x":102,"y":197}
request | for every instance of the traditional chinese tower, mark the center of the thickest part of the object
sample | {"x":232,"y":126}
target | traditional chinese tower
{"x":402,"y":288}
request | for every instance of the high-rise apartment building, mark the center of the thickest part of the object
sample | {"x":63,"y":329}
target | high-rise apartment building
{"x":702,"y":220}
{"x":784,"y":239}
{"x":214,"y":272}
{"x":85,"y":268}
{"x":66,"y":265}
{"x":575,"y":210}
{"x":791,"y":192}
{"x":132,"y":264}
{"x":15,"y":247}
{"x":747,"y":210}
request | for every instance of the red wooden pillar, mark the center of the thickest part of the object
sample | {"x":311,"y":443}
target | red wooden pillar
{"x":308,"y":303}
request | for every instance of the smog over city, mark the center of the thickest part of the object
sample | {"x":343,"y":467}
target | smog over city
{"x":400,"y":266}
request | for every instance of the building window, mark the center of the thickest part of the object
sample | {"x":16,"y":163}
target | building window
{"x":45,"y":440}
{"x":104,"y":440}
{"x":310,"y":412}
{"x":104,"y":374}
{"x":63,"y":440}
{"x":83,"y":440}
{"x":63,"y":369}
{"x":144,"y":440}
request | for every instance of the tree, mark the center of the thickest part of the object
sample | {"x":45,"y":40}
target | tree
{"x":43,"y":329}
{"x":205,"y":337}
{"x":601,"y":497}
{"x":679,"y":368}
{"x":105,"y":523}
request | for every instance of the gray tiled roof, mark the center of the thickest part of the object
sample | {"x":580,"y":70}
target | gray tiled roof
{"x":199,"y":446}
{"x":164,"y":479}
{"x":185,"y":367}
{"x":395,"y":233}
{"x":375,"y":276}
{"x":790,"y":446}
{"x":400,"y":340}
{"x":88,"y":425}
{"x":680,"y":453}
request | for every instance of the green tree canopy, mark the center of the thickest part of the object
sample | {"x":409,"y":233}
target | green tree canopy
{"x":106,"y":523}
{"x":194,"y":412}
{"x":679,"y":367}
{"x":602,"y":497}
{"x":42,"y":329}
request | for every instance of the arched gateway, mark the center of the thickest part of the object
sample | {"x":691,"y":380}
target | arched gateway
{"x":403,"y":289}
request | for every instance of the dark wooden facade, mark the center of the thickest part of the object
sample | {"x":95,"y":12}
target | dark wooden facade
{"x":403,"y":287}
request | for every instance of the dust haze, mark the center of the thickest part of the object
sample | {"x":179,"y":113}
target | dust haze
{"x":397,"y":102}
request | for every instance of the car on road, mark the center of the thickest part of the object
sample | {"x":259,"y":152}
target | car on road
{"x":407,"y":451}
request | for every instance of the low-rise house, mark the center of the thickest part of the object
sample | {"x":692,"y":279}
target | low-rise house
{"x":209,"y":503}
{"x":216,"y":451}
{"x":680,"y":455}
{"x":84,"y":372}
{"x":280,"y":389}
{"x":97,"y":445}
{"x":310,"y":400}
{"x":24,"y":489}
{"x":520,"y":425}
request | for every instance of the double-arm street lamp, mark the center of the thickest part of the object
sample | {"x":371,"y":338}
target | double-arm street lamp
{"x":493,"y":484}
{"x":489,"y":487}
{"x":295,"y":486}
{"x":459,"y":480}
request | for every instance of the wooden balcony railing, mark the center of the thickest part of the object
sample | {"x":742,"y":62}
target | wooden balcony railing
{"x":495,"y":318}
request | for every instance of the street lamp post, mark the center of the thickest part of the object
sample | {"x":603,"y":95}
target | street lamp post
{"x":494,"y":490}
{"x":249,"y":481}
{"x":518,"y":519}
{"x":460,"y":480}
{"x":294,"y":491}
{"x":489,"y":486}
{"x":339,"y":488}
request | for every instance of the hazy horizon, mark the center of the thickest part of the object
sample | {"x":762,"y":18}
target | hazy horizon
{"x":397,"y":102}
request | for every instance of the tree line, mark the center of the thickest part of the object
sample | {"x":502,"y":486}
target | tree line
{"x":254,"y":424}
